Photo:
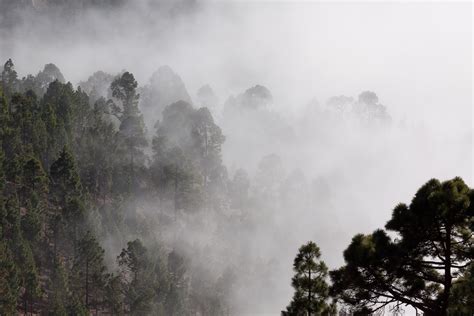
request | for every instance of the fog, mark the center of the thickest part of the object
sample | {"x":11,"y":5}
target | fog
{"x":416,"y":57}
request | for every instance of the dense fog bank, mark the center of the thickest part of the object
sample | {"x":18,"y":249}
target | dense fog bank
{"x":289,"y":122}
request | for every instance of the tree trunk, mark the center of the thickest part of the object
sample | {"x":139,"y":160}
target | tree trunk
{"x":448,"y":279}
{"x":31,"y":304}
{"x":25,"y":302}
{"x":309,"y":293}
{"x":87,"y":284}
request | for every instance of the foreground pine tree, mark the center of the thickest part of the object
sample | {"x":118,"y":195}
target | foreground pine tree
{"x":426,"y":265}
{"x":309,"y":282}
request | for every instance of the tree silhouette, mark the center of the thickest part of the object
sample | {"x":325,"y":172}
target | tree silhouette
{"x":309,"y":282}
{"x":433,"y":246}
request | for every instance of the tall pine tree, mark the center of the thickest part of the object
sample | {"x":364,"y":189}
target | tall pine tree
{"x":309,"y":282}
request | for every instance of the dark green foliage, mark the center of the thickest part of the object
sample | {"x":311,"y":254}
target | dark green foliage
{"x":47,"y":125}
{"x":463,"y":294}
{"x":31,"y":224}
{"x":138,"y":279}
{"x":420,"y":267}
{"x":92,"y":143}
{"x":65,"y":181}
{"x":88,"y":270}
{"x":2,"y":173}
{"x":133,"y":259}
{"x":9,"y":78}
{"x":174,"y":176}
{"x":58,"y":298}
{"x":34,"y":178}
{"x":28,"y":275}
{"x":113,"y":299}
{"x":96,"y":150}
{"x":131,"y":133}
{"x":9,"y":281}
{"x":61,"y":98}
{"x":51,"y":262}
{"x":309,"y":282}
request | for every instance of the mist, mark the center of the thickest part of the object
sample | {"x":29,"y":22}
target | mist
{"x":318,"y":173}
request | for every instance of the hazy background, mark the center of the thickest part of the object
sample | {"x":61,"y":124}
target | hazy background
{"x":417,"y":58}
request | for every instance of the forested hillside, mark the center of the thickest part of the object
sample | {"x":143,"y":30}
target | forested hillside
{"x":103,"y":214}
{"x":236,"y":158}
{"x":74,"y":175}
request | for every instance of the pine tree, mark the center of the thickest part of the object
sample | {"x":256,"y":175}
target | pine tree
{"x":9,"y":282}
{"x":9,"y":78}
{"x":33,"y":192}
{"x":131,"y":131}
{"x":69,"y":210}
{"x":113,"y":294}
{"x":62,"y":99}
{"x":463,"y":294}
{"x":58,"y":298}
{"x":433,"y":246}
{"x":28,"y":275}
{"x":96,"y":152}
{"x":65,"y":181}
{"x":24,"y":107}
{"x":89,"y":269}
{"x":9,"y":135}
{"x":176,"y":298}
{"x":48,"y":117}
{"x":309,"y":282}
{"x":2,"y":172}
{"x":31,"y":223}
{"x":34,"y":182}
{"x":9,"y":274}
{"x":176,"y":179}
{"x":137,"y":278}
{"x":207,"y":141}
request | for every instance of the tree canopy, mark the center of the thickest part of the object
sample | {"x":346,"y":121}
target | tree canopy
{"x":431,"y":248}
{"x":309,"y":282}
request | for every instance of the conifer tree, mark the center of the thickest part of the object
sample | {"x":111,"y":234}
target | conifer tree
{"x":58,"y":298}
{"x":309,"y":282}
{"x":137,"y":278}
{"x":48,"y":117}
{"x":463,"y":294}
{"x":8,"y":133}
{"x":9,"y":78}
{"x":131,"y":131}
{"x":176,"y":297}
{"x":432,"y":248}
{"x":9,"y":282}
{"x":113,"y":296}
{"x":62,"y":99}
{"x":28,"y":275}
{"x":34,"y":182}
{"x":89,"y":269}
{"x":65,"y":181}
{"x":2,"y":172}
{"x":66,"y":191}
{"x":23,"y":116}
{"x":9,"y":274}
